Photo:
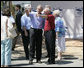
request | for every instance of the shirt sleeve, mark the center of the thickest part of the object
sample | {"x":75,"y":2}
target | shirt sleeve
{"x":57,"y":26}
{"x":12,"y":19}
{"x":22,"y":21}
{"x":43,"y":23}
{"x":10,"y":25}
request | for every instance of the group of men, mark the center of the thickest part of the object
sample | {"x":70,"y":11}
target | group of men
{"x":31,"y":26}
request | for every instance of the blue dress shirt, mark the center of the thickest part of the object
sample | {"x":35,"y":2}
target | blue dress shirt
{"x":37,"y":22}
{"x":25,"y":21}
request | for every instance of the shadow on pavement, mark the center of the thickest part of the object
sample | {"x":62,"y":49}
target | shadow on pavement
{"x":63,"y":62}
{"x":69,"y":57}
{"x":19,"y":58}
{"x":58,"y":62}
{"x":17,"y":65}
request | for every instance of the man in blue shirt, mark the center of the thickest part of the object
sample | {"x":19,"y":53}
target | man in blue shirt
{"x":36,"y":34}
{"x":25,"y":26}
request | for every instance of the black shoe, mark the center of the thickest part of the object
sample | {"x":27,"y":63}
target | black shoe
{"x":51,"y":62}
{"x":30,"y":62}
{"x":27,"y":58}
{"x":46,"y":56}
{"x":39,"y":61}
{"x":34,"y":57}
{"x":12,"y":49}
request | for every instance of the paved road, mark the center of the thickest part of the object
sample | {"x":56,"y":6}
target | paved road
{"x":72,"y":57}
{"x":18,"y":60}
{"x":63,"y":63}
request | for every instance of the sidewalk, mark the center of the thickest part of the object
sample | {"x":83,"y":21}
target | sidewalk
{"x":72,"y":57}
{"x":63,"y":63}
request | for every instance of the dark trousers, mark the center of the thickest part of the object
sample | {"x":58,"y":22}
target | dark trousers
{"x":50,"y":44}
{"x":14,"y":43}
{"x":26,"y":41}
{"x":15,"y":39}
{"x":35,"y":43}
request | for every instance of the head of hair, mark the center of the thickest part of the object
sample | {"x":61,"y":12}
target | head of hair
{"x":6,"y":11}
{"x":27,"y":6}
{"x":40,"y":6}
{"x":57,"y":12}
{"x":18,"y":6}
{"x":47,"y":9}
{"x":48,"y":6}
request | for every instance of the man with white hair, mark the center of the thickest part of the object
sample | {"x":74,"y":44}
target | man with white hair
{"x":29,"y":6}
{"x":49,"y":33}
{"x":48,"y":6}
{"x":25,"y":26}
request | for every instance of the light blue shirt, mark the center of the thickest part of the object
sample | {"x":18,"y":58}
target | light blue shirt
{"x":25,"y":21}
{"x":59,"y":27}
{"x":37,"y":22}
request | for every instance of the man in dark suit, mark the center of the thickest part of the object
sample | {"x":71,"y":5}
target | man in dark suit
{"x":18,"y":23}
{"x":18,"y":17}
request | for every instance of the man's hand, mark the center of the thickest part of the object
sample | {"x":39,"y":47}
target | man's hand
{"x":56,"y":35}
{"x":38,"y":15}
{"x":26,"y":34}
{"x":25,"y":31}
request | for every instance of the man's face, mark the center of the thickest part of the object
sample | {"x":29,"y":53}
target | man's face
{"x":16,"y":8}
{"x":39,"y":9}
{"x":46,"y":12}
{"x":27,"y":12}
{"x":29,"y":9}
{"x":55,"y":14}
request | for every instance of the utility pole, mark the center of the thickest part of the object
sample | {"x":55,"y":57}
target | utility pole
{"x":11,"y":8}
{"x":10,"y":5}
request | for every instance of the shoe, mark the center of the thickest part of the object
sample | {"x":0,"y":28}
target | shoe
{"x":39,"y":61}
{"x":34,"y":57}
{"x":51,"y":62}
{"x":12,"y":49}
{"x":30,"y":62}
{"x":2,"y":65}
{"x":27,"y":58}
{"x":46,"y":56}
{"x":59,"y":58}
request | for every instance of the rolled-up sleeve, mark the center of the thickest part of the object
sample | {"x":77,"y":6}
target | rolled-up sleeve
{"x":22,"y":21}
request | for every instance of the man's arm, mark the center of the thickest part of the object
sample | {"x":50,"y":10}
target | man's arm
{"x":44,"y":16}
{"x":25,"y":31}
{"x":23,"y":26}
{"x":57,"y":35}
